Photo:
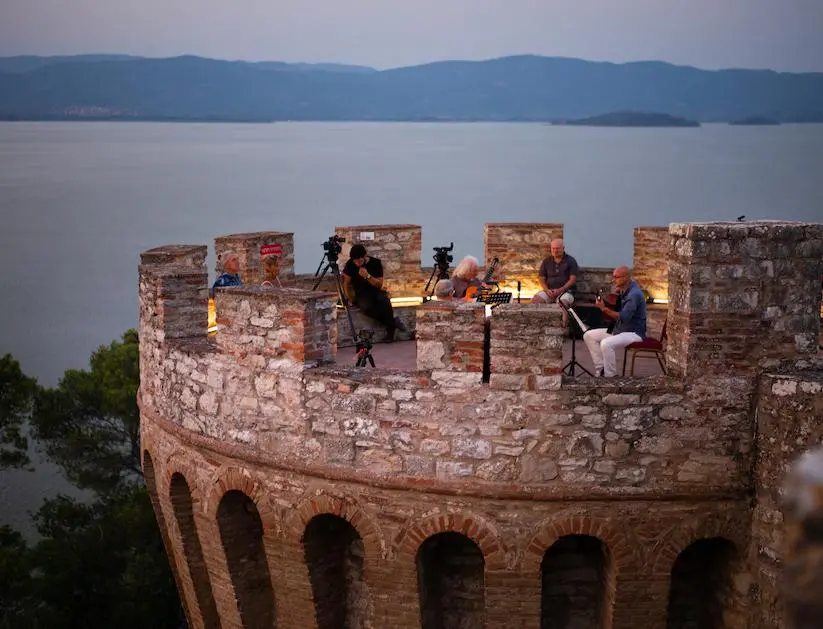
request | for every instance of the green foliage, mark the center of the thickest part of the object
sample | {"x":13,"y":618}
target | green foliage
{"x":16,"y":395}
{"x":15,"y":580}
{"x":90,"y":423}
{"x":102,"y":565}
{"x":98,"y":564}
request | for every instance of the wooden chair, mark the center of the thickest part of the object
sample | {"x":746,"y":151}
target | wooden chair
{"x":647,"y":348}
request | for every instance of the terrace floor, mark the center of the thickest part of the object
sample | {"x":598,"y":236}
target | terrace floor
{"x":403,"y":355}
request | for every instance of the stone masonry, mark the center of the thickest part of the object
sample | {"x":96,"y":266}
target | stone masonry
{"x":296,"y":492}
{"x":650,"y":268}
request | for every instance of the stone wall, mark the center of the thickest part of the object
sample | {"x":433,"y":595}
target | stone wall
{"x":397,"y":246}
{"x":520,"y":247}
{"x":650,"y":267}
{"x":642,"y":538}
{"x":803,"y":572}
{"x":743,"y":295}
{"x":646,"y":466}
{"x":248,"y":248}
{"x":789,"y":409}
{"x":450,"y":337}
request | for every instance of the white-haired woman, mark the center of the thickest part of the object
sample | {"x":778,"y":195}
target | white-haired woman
{"x":465,"y":275}
{"x":231,"y":271}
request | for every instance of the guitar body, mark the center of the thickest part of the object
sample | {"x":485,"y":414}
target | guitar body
{"x":472,"y":290}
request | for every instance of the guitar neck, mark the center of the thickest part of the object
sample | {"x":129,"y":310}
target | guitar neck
{"x":490,"y":271}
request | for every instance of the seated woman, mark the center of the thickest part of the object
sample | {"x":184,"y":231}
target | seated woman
{"x":231,"y":269}
{"x":465,"y":276}
{"x":271,"y":270}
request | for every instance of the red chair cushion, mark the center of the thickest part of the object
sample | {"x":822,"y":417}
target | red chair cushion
{"x":652,"y":344}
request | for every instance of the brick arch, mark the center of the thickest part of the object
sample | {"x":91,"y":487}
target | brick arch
{"x":614,"y":537}
{"x":179,"y":462}
{"x":232,"y":478}
{"x":476,"y":528}
{"x":681,"y":537}
{"x":343,"y":507}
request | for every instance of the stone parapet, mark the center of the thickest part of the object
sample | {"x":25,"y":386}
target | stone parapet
{"x":450,"y":336}
{"x":650,"y":267}
{"x":287,"y":323}
{"x":251,"y":248}
{"x":397,"y":246}
{"x":520,"y":247}
{"x":789,"y":408}
{"x":526,"y":347}
{"x":743,"y":295}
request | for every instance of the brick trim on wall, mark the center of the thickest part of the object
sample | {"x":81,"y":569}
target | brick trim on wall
{"x":552,"y":529}
{"x":228,"y":478}
{"x":473,"y":526}
{"x":681,"y":537}
{"x":346,"y":508}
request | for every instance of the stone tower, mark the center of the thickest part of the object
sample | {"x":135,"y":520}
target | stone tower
{"x":294,"y":492}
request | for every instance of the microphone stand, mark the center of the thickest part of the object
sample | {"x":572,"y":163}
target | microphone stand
{"x":569,"y":368}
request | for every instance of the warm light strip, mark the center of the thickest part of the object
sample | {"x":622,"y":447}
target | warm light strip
{"x":406,"y":301}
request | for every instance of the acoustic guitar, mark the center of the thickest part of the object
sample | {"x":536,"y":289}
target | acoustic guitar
{"x":471,"y":291}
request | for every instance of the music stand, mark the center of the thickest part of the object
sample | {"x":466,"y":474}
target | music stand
{"x":576,"y":328}
{"x":493,"y":299}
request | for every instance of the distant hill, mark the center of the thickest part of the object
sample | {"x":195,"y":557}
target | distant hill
{"x":520,"y":88}
{"x":634,"y":119}
{"x":758,"y":121}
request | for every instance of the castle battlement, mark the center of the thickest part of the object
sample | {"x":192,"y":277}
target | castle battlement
{"x":253,"y":436}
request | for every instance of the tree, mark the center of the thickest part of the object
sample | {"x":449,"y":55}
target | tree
{"x":15,"y":581}
{"x":103,"y":565}
{"x":99,"y":563}
{"x":16,"y":395}
{"x":90,"y":423}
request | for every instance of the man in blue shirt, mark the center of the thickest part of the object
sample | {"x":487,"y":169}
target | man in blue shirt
{"x":630,"y":326}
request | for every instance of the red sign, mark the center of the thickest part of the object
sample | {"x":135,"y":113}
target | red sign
{"x":271,"y":250}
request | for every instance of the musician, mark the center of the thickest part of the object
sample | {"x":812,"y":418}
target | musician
{"x":558,"y":277}
{"x":465,"y":275}
{"x":363,"y":281}
{"x":444,"y":290}
{"x":630,"y":324}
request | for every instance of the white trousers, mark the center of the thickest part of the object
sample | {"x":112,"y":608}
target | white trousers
{"x":567,"y":298}
{"x":602,"y":346}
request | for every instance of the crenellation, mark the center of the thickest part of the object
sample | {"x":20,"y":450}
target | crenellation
{"x":263,"y":426}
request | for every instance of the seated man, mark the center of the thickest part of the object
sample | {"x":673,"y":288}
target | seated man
{"x":231,"y":268}
{"x":444,"y":290}
{"x":363,"y":282}
{"x":465,"y":276}
{"x":630,"y":326}
{"x":558,"y":276}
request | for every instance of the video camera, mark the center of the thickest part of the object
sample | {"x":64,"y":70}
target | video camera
{"x":443,"y":257}
{"x":333,"y":247}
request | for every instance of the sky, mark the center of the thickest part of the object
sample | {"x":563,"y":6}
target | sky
{"x":785,"y":35}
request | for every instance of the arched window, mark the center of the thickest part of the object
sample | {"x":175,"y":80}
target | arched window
{"x":450,"y":578}
{"x":701,"y":585}
{"x":184,"y":514}
{"x":241,"y":532}
{"x":151,"y":485}
{"x":577,"y":584}
{"x":334,"y":556}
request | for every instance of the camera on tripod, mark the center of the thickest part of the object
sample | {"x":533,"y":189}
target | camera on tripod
{"x":333,"y":246}
{"x":443,"y":257}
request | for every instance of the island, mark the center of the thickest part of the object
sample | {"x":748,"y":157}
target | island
{"x":755,"y":121}
{"x":634,"y":119}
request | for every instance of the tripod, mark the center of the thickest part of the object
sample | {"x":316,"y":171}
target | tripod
{"x":362,"y":340}
{"x":442,"y":274}
{"x":576,"y":328}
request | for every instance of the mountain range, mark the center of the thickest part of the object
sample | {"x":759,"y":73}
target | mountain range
{"x":517,"y":88}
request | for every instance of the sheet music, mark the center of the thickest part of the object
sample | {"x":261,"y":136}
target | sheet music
{"x":583,"y":327}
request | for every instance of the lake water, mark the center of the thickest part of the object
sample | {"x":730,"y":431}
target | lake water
{"x":80,"y":201}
